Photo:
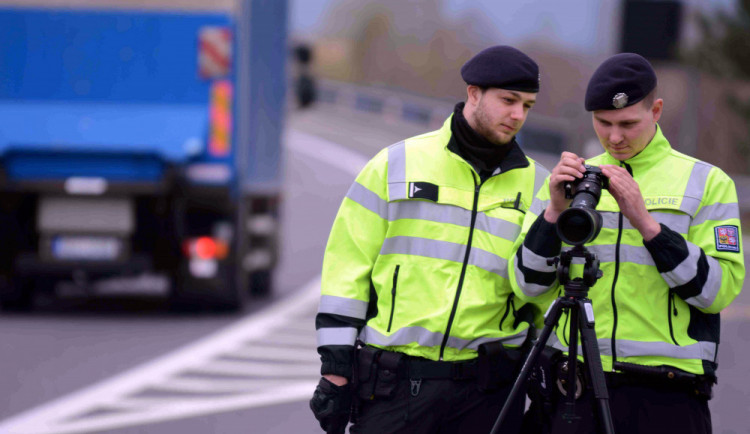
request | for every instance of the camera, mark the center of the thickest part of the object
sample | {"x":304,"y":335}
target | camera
{"x":581,"y":223}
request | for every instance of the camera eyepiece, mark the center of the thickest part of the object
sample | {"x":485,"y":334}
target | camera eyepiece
{"x":581,"y":223}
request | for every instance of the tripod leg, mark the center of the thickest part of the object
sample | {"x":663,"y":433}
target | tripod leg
{"x":553,"y":315}
{"x":593,"y":363}
{"x":570,"y":399}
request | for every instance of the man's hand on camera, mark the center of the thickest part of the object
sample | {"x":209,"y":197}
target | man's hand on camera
{"x":331,"y":404}
{"x":625,"y":190}
{"x":569,"y":168}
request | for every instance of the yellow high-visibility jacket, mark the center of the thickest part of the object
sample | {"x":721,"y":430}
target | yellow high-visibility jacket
{"x":417,"y":259}
{"x":658,"y":302}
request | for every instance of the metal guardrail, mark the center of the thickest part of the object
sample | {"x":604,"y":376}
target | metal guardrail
{"x":389,"y":103}
{"x":541,"y":134}
{"x":545,"y":137}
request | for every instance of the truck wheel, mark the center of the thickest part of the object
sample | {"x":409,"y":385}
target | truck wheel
{"x":17,"y":295}
{"x":190,"y":294}
{"x":260,"y":282}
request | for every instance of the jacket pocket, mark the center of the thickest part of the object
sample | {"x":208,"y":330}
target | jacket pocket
{"x":671,"y":310}
{"x":509,"y":304}
{"x":393,"y":296}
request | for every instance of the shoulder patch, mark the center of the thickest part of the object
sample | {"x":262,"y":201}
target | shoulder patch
{"x":727,"y":238}
{"x":423,"y":190}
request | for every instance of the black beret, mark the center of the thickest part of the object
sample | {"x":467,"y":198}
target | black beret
{"x":504,"y":67}
{"x":621,"y":81}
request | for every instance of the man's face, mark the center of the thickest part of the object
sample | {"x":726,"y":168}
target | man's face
{"x":499,"y":113}
{"x":626,"y":132}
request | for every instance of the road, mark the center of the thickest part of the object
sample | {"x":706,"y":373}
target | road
{"x":134,"y":368}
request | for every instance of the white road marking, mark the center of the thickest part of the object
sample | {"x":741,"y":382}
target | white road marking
{"x":226,"y":367}
{"x":295,"y":340}
{"x":265,"y":352}
{"x":323,"y":150}
{"x":124,"y":401}
{"x":283,"y":333}
{"x":200,"y":385}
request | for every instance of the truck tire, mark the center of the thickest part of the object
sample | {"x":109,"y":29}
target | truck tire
{"x":260,"y":283}
{"x":191,"y":295}
{"x":17,"y":295}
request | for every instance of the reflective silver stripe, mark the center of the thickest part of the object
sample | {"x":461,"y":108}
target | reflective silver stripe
{"x":540,"y":174}
{"x":423,"y":210}
{"x":343,"y":306}
{"x":337,"y":336}
{"x":676,"y":222}
{"x":695,"y":186}
{"x":397,"y":171}
{"x":440,"y":213}
{"x":530,"y":289}
{"x":426,"y":338}
{"x":535,"y":262}
{"x":537,"y":206}
{"x":554,"y":342}
{"x":363,"y":196}
{"x":402,"y":336}
{"x":634,"y":254}
{"x":445,"y":250}
{"x":711,"y":287}
{"x":497,"y":227}
{"x":700,"y":350}
{"x":474,"y":344}
{"x":686,"y":270}
{"x":611,"y":220}
{"x":717,"y":212}
{"x":488,"y":262}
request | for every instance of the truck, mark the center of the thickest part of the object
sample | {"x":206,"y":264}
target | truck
{"x":141,"y":138}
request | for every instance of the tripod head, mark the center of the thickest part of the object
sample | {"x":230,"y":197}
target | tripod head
{"x":579,"y":286}
{"x":581,"y":315}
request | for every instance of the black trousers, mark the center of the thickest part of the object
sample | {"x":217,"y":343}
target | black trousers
{"x":442,"y":407}
{"x":635,"y":409}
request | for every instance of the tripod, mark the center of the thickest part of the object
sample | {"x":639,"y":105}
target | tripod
{"x":574,"y":301}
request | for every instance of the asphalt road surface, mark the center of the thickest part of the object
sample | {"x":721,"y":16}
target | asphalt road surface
{"x":132,"y":367}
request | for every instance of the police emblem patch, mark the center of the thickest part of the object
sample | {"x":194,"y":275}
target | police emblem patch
{"x":620,"y":100}
{"x":727,"y":238}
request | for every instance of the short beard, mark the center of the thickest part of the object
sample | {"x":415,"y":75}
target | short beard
{"x":484,"y":127}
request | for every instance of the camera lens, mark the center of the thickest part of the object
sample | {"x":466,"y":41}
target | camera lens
{"x":578,"y":225}
{"x":581,"y":223}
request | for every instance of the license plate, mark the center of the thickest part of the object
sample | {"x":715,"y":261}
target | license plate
{"x":88,"y":248}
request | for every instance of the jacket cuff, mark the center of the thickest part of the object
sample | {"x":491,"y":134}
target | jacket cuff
{"x":333,"y":368}
{"x":542,"y":238}
{"x":336,"y":360}
{"x":668,"y":249}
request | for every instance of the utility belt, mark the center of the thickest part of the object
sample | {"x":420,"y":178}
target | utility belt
{"x":547,"y":382}
{"x":378,"y":372}
{"x":663,"y":376}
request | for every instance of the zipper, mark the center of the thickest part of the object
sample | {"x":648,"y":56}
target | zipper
{"x":614,"y":279}
{"x":509,"y":304}
{"x":463,"y":268}
{"x":393,"y":296}
{"x":671,"y":306}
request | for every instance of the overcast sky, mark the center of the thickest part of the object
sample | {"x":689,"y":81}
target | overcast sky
{"x":588,"y":26}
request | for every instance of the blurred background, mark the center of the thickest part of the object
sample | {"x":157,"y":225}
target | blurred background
{"x":170,"y":169}
{"x":699,"y":48}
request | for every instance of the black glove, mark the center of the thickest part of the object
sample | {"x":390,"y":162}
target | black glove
{"x":331,"y":405}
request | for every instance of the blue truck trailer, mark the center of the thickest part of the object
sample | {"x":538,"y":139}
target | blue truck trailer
{"x":141,"y":141}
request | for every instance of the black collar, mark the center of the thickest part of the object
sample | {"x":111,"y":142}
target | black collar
{"x":485,"y":157}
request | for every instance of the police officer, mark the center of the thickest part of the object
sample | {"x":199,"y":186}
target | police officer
{"x":670,"y":254}
{"x":415,"y":270}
